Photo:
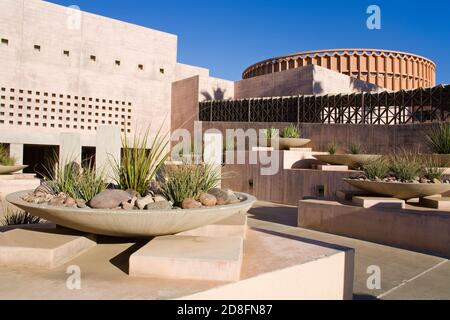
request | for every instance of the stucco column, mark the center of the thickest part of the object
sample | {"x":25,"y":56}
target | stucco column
{"x":213,"y":151}
{"x":108,"y":150}
{"x":16,"y":151}
{"x":70,"y":148}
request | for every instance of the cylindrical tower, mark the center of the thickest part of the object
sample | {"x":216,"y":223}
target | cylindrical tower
{"x":388,"y":69}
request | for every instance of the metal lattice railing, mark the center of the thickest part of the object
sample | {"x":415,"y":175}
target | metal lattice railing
{"x":384,"y":108}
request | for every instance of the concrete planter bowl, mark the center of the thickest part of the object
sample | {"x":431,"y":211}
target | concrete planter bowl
{"x":353,"y":161}
{"x":11,"y":169}
{"x":288,"y":143}
{"x":404,"y":191}
{"x":134,"y":223}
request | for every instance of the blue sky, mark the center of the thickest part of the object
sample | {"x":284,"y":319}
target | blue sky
{"x":228,"y":36}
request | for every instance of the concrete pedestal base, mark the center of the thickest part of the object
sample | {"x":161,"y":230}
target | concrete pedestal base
{"x":235,"y":226}
{"x":435,"y":202}
{"x":379,"y":202}
{"x":412,"y":228}
{"x":17,"y":182}
{"x":332,"y":168}
{"x":41,"y":248}
{"x":194,"y":258}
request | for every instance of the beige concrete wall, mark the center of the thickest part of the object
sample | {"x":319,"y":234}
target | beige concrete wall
{"x":188,"y":92}
{"x":184,"y":71}
{"x":374,"y":138}
{"x":49,"y":92}
{"x":419,"y":230}
{"x":301,"y":81}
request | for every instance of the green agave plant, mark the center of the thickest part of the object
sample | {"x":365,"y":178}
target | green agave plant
{"x":291,"y":132}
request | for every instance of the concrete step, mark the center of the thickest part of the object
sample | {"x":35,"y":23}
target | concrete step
{"x":189,"y":258}
{"x":45,"y":249}
{"x":435,"y":202}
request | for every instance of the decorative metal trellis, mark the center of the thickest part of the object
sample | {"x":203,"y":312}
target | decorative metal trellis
{"x":383,"y":108}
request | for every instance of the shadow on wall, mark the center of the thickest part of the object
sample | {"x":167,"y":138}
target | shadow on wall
{"x":357,"y":85}
{"x":218,"y":94}
{"x":318,"y":88}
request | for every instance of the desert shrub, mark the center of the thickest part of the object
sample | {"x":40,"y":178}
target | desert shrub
{"x":332,"y":148}
{"x":140,"y":165}
{"x":405,"y":165}
{"x":376,"y":169}
{"x":291,"y":132}
{"x":5,"y":159}
{"x":69,"y":178}
{"x":355,"y":148}
{"x":431,"y":170}
{"x":188,"y":181}
{"x":14,"y":216}
{"x":438,"y":139}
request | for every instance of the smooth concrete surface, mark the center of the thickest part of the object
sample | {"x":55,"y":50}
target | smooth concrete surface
{"x":275,"y":266}
{"x":235,"y":226}
{"x":404,"y":274}
{"x":412,"y":228}
{"x":108,"y":150}
{"x":70,"y":147}
{"x":188,"y":257}
{"x":17,"y":182}
{"x":379,"y":202}
{"x":44,"y":248}
{"x":16,"y":151}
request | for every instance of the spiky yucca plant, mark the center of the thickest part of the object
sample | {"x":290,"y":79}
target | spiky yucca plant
{"x":355,"y":148}
{"x":438,"y":139}
{"x":140,"y":165}
{"x":332,"y":148}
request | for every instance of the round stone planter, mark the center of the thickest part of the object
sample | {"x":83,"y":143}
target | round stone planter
{"x":404,"y":191}
{"x":11,"y":169}
{"x":134,"y":223}
{"x":288,"y":143}
{"x":353,"y":161}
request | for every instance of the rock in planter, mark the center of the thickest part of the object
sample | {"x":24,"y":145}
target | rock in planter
{"x":224,"y":196}
{"x":191,"y":204}
{"x":159,"y":198}
{"x":134,"y":193}
{"x":109,"y":199}
{"x":208,"y":200}
{"x":58,"y":201}
{"x":70,"y":202}
{"x":143,"y":202}
{"x":159,"y":205}
{"x":81,"y":203}
{"x":129,"y":205}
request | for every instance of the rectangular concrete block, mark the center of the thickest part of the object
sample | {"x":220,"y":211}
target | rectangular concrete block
{"x":264,"y":149}
{"x":379,"y":202}
{"x":332,"y":168}
{"x":235,"y":226}
{"x":45,"y":249}
{"x":346,"y":195}
{"x":193,"y":258}
{"x":435,"y":202}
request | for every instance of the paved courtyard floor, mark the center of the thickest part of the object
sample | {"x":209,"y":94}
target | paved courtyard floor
{"x":404,"y":274}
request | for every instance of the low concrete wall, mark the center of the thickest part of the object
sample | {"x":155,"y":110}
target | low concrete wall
{"x":287,"y":186}
{"x":374,"y":138}
{"x":424,"y":231}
